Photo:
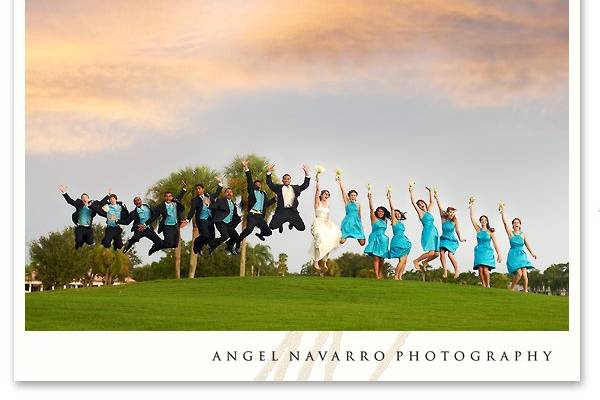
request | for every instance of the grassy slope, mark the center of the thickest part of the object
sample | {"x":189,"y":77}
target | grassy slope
{"x":293,"y":303}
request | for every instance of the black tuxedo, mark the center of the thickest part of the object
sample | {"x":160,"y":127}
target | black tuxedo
{"x":112,"y":234}
{"x":197,"y":204}
{"x":83,"y":234}
{"x":206,"y":227}
{"x":220,"y":209}
{"x":287,"y":214}
{"x":254,"y":219}
{"x":170,"y":232}
{"x":137,"y":234}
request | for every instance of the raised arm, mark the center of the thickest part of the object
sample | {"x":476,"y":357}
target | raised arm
{"x":529,"y":247}
{"x":193,"y":207}
{"x":342,"y":189}
{"x":371,"y":209}
{"x":413,"y":201}
{"x":182,"y":192}
{"x":249,"y":183}
{"x":394,"y":220}
{"x":306,"y":178}
{"x":270,"y":183}
{"x":506,"y":227}
{"x":317,"y":187}
{"x":499,"y":257}
{"x":439,"y":204}
{"x":217,"y":192}
{"x":63,"y":190}
{"x":472,"y":215}
{"x":430,"y":205}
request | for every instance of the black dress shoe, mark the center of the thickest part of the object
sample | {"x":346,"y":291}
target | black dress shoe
{"x":290,"y":226}
{"x":281,"y":229}
{"x":261,"y":237}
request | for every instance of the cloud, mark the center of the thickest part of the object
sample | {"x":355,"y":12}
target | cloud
{"x":124,"y":70}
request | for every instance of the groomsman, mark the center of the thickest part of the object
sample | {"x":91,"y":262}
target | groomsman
{"x":200,"y":209}
{"x":82,"y":217}
{"x":115,"y":213}
{"x":257,"y":206}
{"x":170,"y":213}
{"x":141,"y":228}
{"x":287,"y":200}
{"x":226,"y":218}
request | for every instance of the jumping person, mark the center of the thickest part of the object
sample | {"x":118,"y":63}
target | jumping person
{"x":429,"y":237}
{"x":141,"y":228}
{"x":517,"y":261}
{"x":170,"y":213}
{"x":257,"y":207}
{"x":200,"y":209}
{"x":378,"y":244}
{"x":115,"y":213}
{"x":82,"y":217}
{"x":484,"y":260}
{"x":449,"y":240}
{"x":287,"y":200}
{"x":226,"y":217}
{"x":326,"y":235}
{"x":399,"y":245}
{"x":351,"y":224}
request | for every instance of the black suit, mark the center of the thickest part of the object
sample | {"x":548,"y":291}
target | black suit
{"x":220,"y":209}
{"x":206,"y":227}
{"x":83,"y":234}
{"x":256,"y":219}
{"x":170,"y":232}
{"x":112,"y":234}
{"x":138,"y":234}
{"x":287,"y":214}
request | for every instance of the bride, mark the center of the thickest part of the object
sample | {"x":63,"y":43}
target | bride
{"x":326,"y":235}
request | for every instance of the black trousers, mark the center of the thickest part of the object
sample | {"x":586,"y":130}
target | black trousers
{"x":228,"y":234}
{"x":148,"y":233}
{"x":206,"y":234}
{"x":83,"y":234}
{"x":171,"y":236}
{"x":112,"y":234}
{"x":253,"y":221}
{"x":289,"y":215}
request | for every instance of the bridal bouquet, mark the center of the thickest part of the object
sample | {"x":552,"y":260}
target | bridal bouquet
{"x":435,"y":191}
{"x":500,"y":207}
{"x":339,"y":172}
{"x":411,"y":184}
{"x":471,"y":200}
{"x":369,"y":187}
{"x":389,"y":189}
{"x":320,"y":169}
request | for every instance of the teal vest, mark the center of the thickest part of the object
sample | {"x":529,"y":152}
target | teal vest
{"x":171,"y":213}
{"x":115,"y":212}
{"x":229,"y":216}
{"x":85,"y":216}
{"x":260,"y":201}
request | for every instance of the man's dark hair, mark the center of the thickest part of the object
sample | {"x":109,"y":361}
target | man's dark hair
{"x":112,"y":195}
{"x":84,"y":194}
{"x":284,"y":175}
{"x":199,"y":185}
{"x":257,"y":181}
{"x":167,"y":192}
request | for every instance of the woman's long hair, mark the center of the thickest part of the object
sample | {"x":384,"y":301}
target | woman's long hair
{"x":386,"y":213}
{"x":489,"y":228}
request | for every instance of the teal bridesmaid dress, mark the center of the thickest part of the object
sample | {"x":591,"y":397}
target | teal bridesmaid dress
{"x":378,"y":241}
{"x":484,"y":255}
{"x":517,"y":258}
{"x":351,"y":224}
{"x":400,"y":245}
{"x":429,"y":236}
{"x":448,"y":239}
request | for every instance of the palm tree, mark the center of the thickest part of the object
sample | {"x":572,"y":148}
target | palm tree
{"x":236,"y":180}
{"x":192,"y":176}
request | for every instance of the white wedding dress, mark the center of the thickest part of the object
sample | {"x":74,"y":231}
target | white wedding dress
{"x":326,"y":235}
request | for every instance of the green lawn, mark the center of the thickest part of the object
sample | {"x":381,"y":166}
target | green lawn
{"x":293,"y":303}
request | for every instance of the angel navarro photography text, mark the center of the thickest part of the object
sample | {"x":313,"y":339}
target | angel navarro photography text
{"x":483,"y":355}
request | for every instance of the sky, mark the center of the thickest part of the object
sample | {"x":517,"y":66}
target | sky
{"x":464,"y":95}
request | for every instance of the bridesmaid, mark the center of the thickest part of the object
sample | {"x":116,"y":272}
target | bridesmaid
{"x":352,"y":223}
{"x":484,"y":260}
{"x":448,"y":240}
{"x":400,"y":245}
{"x":517,"y":261}
{"x":378,"y":240}
{"x":429,"y":236}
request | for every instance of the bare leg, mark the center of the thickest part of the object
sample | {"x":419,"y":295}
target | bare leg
{"x":342,"y":241}
{"x":481,"y":276}
{"x":454,"y":262}
{"x":376,"y":266}
{"x":430,"y":255}
{"x":516,"y":279}
{"x":316,"y":265}
{"x":443,"y":260}
{"x":525,"y":280}
{"x":400,"y":268}
{"x":486,"y":277}
{"x":362,"y":242}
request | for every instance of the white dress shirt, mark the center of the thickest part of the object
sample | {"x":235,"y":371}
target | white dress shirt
{"x":288,"y":196}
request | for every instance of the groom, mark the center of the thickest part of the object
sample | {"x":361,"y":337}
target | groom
{"x":287,"y":200}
